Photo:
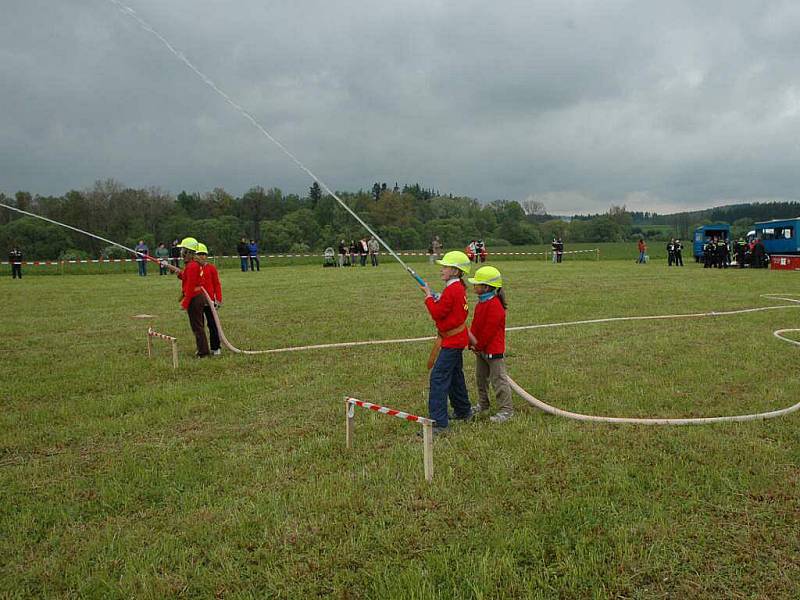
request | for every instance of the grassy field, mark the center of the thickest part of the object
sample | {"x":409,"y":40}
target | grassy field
{"x":122,"y":478}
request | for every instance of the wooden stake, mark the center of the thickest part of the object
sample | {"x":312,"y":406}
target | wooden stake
{"x":149,"y":345}
{"x":349,"y":413}
{"x":427,"y":450}
{"x":174,"y":354}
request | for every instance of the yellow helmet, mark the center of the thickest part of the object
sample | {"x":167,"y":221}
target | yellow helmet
{"x":487,"y":276}
{"x":189,"y":243}
{"x":457,"y":259}
{"x":200,"y":249}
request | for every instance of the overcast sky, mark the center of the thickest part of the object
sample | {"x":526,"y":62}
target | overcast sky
{"x":659,"y":105}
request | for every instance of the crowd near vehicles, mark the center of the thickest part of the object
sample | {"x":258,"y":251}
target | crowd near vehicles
{"x":705,"y":233}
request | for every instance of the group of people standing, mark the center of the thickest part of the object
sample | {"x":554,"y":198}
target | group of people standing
{"x":166,"y":257}
{"x":558,"y":249}
{"x":248,"y":251}
{"x":752,"y":254}
{"x":716,"y":254}
{"x":674,"y":253}
{"x":357,"y":252}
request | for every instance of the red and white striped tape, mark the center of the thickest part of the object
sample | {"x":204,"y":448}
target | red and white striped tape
{"x":389,"y":411}
{"x":152,"y":333}
{"x":126,"y":260}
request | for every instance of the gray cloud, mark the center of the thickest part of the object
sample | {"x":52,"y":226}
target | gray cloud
{"x":664,"y":106}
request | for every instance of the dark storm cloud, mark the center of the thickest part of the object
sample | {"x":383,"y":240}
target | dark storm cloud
{"x":658,"y":105}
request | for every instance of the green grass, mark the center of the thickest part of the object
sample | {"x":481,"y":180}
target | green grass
{"x":121,"y":478}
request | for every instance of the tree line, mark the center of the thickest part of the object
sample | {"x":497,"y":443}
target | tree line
{"x":405,"y":217}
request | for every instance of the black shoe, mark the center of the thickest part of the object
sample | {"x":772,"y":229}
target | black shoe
{"x":465,"y":418}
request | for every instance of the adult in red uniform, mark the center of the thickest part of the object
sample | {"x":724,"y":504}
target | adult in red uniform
{"x":209,"y":279}
{"x":449,"y":312}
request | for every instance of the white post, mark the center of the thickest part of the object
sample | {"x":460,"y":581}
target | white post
{"x":427,"y":450}
{"x":174,"y":354}
{"x":349,"y":411}
{"x":149,"y":345}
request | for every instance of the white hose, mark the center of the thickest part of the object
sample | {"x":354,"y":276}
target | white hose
{"x":535,"y":402}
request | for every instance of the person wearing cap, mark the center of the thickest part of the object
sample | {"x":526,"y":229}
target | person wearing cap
{"x":449,"y":311}
{"x":678,"y":249}
{"x":487,"y":338}
{"x":209,"y":278}
{"x":15,"y":260}
{"x":193,"y":301}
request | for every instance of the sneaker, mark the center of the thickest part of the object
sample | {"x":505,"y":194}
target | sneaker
{"x":465,"y":418}
{"x":476,"y":409}
{"x":216,"y":352}
{"x":502,"y":416}
{"x":198,"y":355}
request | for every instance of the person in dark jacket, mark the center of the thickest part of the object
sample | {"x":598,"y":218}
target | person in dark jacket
{"x":175,"y":254}
{"x":670,"y":252}
{"x":142,"y":252}
{"x":15,"y":258}
{"x":678,"y":250}
{"x":243,"y":250}
{"x":252,"y":250}
{"x":353,"y":252}
{"x":343,"y":254}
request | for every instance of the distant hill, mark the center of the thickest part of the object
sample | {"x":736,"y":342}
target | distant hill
{"x":752,"y":211}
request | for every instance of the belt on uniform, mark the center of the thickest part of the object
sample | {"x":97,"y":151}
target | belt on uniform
{"x":491,"y":356}
{"x":437,"y":343}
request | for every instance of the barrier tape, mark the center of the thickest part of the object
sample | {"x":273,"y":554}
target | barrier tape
{"x":169,"y":260}
{"x":389,"y":411}
{"x":163,"y":336}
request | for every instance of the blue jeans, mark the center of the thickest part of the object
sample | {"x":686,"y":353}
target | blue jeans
{"x":447,"y":380}
{"x":142,"y":266}
{"x":641,"y":257}
{"x":244,"y":263}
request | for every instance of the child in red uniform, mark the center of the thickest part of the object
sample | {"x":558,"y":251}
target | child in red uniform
{"x":193,"y":301}
{"x":488,"y":340}
{"x":209,"y":277}
{"x":449,"y":311}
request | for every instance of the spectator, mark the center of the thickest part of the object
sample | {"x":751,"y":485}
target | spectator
{"x":15,"y":258}
{"x":554,"y":246}
{"x":559,"y":250}
{"x":678,"y":249}
{"x":175,"y":254}
{"x":374,"y":249}
{"x":670,"y":252}
{"x":243,"y":250}
{"x":162,"y":254}
{"x":342,"y":254}
{"x":363,"y":251}
{"x":642,"y":251}
{"x":142,"y":252}
{"x":435,"y":249}
{"x":252,"y":250}
{"x":353,"y":253}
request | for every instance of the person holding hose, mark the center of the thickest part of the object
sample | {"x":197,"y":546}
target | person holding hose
{"x":449,"y":311}
{"x":193,"y":301}
{"x":487,"y":338}
{"x":209,"y":280}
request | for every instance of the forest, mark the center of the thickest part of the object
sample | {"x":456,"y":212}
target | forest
{"x":406,"y":217}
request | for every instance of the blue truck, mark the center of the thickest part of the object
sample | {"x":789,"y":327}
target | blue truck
{"x":704,"y":233}
{"x":780,"y":236}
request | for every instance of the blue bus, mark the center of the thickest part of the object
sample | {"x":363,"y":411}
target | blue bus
{"x":780,"y":236}
{"x":703,"y":234}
